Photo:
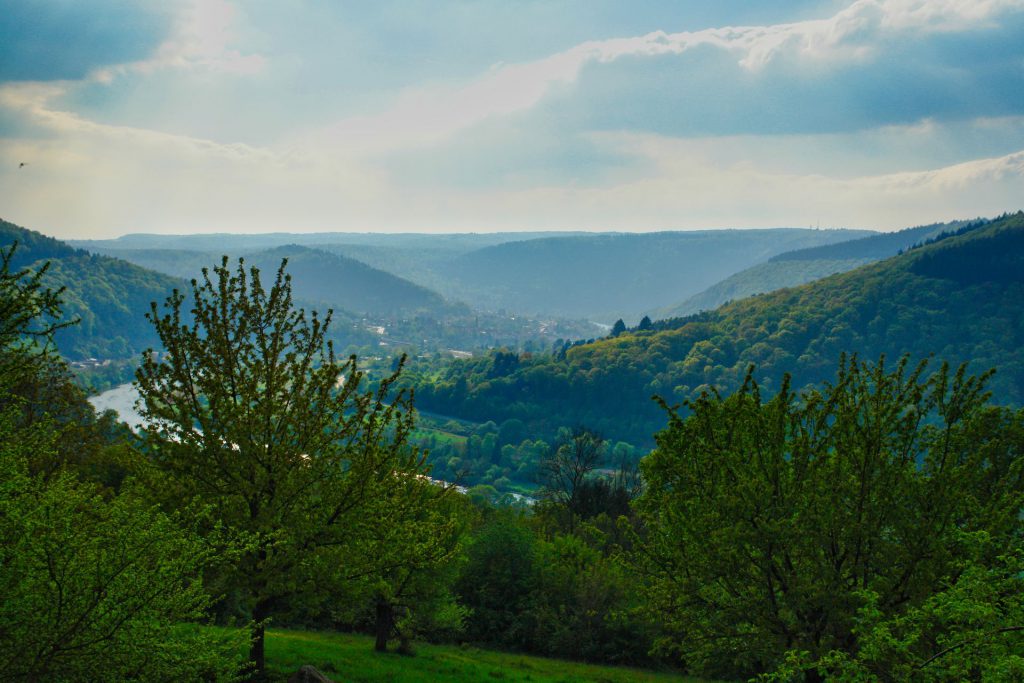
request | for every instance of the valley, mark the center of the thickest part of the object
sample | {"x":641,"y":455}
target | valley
{"x":475,"y":341}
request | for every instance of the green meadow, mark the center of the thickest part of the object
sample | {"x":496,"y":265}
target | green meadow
{"x":346,"y":657}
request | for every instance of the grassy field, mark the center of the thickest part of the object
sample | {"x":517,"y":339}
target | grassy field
{"x":345,"y":658}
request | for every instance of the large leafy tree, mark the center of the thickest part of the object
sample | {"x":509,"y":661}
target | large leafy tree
{"x":96,"y":588}
{"x":251,"y":413}
{"x":95,"y":585}
{"x":830,"y":526}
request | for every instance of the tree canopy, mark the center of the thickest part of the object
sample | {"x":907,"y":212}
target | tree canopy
{"x":252,"y":414}
{"x":806,"y":527}
{"x":96,"y":583}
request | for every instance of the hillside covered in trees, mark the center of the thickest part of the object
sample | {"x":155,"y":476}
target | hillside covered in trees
{"x":769,"y":533}
{"x":318,"y":276}
{"x":800,"y":266}
{"x":960,"y":299}
{"x":108,"y":295}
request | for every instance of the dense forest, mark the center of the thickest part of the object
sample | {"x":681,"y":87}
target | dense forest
{"x":960,"y":298}
{"x":106,"y":294}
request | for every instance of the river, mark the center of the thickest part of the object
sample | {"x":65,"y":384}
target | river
{"x":121,"y":399}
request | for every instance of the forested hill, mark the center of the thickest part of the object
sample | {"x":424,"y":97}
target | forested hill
{"x":607,"y":276}
{"x":876,"y":247}
{"x":346,"y":283}
{"x":959,"y":299}
{"x":800,"y":266}
{"x":109,"y":295}
{"x":319,"y":277}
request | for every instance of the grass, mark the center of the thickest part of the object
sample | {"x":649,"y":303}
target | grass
{"x":422,"y":434}
{"x":345,"y":657}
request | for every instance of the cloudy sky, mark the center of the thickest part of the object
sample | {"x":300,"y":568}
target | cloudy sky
{"x":445,"y":115}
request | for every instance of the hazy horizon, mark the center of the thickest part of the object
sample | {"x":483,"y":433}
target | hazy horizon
{"x":245,"y":117}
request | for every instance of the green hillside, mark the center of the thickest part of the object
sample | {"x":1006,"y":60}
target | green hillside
{"x":961,"y":299}
{"x":108,"y":295}
{"x":764,"y":277}
{"x":800,"y":266}
{"x":345,"y":657}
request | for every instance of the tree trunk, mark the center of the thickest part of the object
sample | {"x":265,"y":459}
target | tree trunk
{"x":257,"y":650}
{"x":385,"y":619}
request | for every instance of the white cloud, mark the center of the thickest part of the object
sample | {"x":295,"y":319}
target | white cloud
{"x":695,"y":191}
{"x":202,"y":39}
{"x":426,"y":114}
{"x":92,"y":178}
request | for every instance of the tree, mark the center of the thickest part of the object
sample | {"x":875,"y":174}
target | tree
{"x":417,"y":548}
{"x":566,"y":474}
{"x":618,"y":328}
{"x":95,"y":584}
{"x":498,"y":580}
{"x":645,"y":324}
{"x":251,"y":413}
{"x":30,"y":314}
{"x":774,"y":527}
{"x":96,"y":589}
{"x":27,"y":308}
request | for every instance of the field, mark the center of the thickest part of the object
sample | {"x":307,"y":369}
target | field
{"x":344,"y":657}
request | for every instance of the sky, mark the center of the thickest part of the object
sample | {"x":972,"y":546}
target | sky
{"x":485,"y":115}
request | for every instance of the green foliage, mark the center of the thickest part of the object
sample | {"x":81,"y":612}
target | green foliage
{"x":30,"y":313}
{"x":878,"y":246}
{"x":497,"y":582}
{"x":919,"y":303}
{"x":415,"y":541}
{"x":565,"y":595}
{"x":763,"y":277}
{"x":94,"y":583}
{"x":585,"y":605}
{"x":251,"y":413}
{"x":35,"y":384}
{"x":105,"y":294}
{"x":850,"y":527}
{"x":94,"y":588}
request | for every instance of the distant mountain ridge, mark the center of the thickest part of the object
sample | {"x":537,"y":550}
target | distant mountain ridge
{"x":605,"y":276}
{"x":879,"y":246}
{"x":793,"y":268}
{"x":321,"y":276}
{"x":233,"y":242}
{"x":577,"y":275}
{"x":318,"y":276}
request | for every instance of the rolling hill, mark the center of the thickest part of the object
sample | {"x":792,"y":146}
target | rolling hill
{"x":960,"y":298}
{"x":793,"y":268}
{"x":607,"y":276}
{"x":574,"y":275}
{"x":108,"y":295}
{"x":318,"y":277}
